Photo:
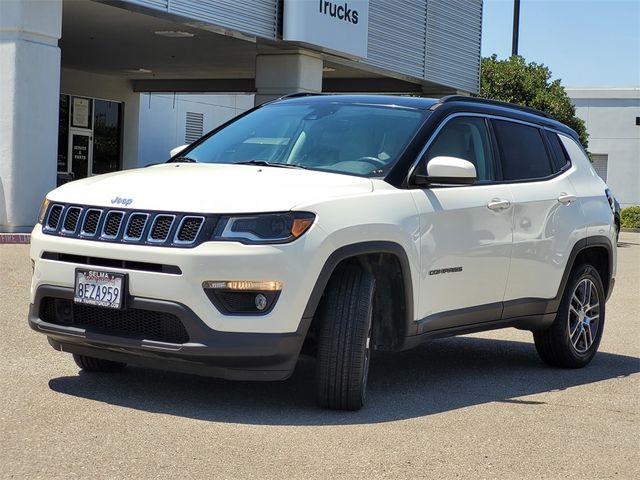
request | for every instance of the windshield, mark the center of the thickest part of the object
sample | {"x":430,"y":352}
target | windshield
{"x":347,"y":138}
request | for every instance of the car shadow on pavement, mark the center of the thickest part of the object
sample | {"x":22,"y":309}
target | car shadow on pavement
{"x":440,"y":376}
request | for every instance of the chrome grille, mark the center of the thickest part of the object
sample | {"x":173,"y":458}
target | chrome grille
{"x":189,"y":229}
{"x":112,"y":224}
{"x":129,"y":226}
{"x":71,"y":220}
{"x":161,"y":228}
{"x":54,"y":216}
{"x":91,"y":220}
{"x":135,"y":227}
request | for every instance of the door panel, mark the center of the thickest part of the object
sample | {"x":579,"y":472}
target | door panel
{"x":544,"y":233}
{"x":465,"y":248}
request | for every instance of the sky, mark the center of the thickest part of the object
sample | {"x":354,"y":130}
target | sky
{"x":583,"y":42}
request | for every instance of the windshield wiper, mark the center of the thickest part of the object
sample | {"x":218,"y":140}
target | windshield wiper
{"x":264,"y":163}
{"x":183,"y":160}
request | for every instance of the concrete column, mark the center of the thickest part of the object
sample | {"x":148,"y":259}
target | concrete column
{"x":283,"y":73}
{"x":29,"y":104}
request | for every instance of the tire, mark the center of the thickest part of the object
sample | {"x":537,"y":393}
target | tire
{"x":343,"y":342}
{"x":572,"y":339}
{"x":91,"y":364}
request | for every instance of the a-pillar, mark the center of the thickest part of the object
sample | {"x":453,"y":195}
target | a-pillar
{"x":279,"y":74}
{"x":29,"y":104}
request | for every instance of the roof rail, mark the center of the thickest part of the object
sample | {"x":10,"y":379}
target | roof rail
{"x":299,"y":94}
{"x":487,"y":101}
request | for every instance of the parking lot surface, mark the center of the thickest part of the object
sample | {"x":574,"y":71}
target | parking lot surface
{"x":478,"y":406}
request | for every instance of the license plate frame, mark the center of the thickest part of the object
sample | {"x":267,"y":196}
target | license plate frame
{"x":98,"y":288}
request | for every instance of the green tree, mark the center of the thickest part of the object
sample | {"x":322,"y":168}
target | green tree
{"x":529,"y":84}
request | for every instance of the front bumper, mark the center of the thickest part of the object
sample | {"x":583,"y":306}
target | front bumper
{"x":228,"y":355}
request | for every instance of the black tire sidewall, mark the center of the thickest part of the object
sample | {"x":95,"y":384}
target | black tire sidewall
{"x":580,"y":273}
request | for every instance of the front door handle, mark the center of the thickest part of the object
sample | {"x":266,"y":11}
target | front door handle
{"x":498,"y":204}
{"x":566,"y":198}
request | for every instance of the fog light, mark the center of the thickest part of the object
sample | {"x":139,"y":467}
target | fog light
{"x":260,"y":301}
{"x":243,"y":297}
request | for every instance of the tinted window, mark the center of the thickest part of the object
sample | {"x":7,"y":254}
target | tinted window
{"x":106,"y":137}
{"x":522,"y":151}
{"x":560,"y":158}
{"x":466,"y":138}
{"x":350,"y":138}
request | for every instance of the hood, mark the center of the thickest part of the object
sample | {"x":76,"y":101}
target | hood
{"x":210,"y":188}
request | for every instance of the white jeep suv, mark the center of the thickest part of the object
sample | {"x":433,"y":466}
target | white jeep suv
{"x":341,"y":224}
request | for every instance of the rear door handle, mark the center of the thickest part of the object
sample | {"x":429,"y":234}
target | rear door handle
{"x":566,"y":198}
{"x":498,"y":204}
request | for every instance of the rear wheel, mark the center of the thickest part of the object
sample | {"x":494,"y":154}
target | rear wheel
{"x":573,"y":338}
{"x":91,"y":364}
{"x":344,"y":340}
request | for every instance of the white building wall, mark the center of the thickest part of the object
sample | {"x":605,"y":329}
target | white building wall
{"x":610,"y":117}
{"x":163,"y":119}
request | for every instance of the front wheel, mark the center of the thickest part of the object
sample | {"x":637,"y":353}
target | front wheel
{"x":344,"y":340}
{"x":573,"y":338}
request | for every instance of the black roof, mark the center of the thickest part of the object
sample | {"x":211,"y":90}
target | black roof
{"x":446,"y":104}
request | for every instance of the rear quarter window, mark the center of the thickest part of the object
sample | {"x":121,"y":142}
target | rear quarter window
{"x":560,"y":157}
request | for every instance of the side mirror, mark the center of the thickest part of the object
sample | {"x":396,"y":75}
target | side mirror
{"x":447,"y":170}
{"x":175,"y":151}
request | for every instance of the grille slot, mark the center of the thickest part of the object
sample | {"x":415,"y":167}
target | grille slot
{"x":112,"y":263}
{"x":91,"y":220}
{"x":135,"y":227}
{"x":161,"y":228}
{"x":54,"y":217}
{"x":142,"y":324}
{"x":189,"y":229}
{"x":71,"y":220}
{"x":112,"y":224}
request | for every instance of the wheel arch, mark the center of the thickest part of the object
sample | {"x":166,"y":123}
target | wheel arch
{"x":389,"y":264}
{"x":595,"y":250}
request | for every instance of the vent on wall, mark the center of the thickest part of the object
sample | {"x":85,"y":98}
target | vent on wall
{"x":600,"y":163}
{"x":193,"y":127}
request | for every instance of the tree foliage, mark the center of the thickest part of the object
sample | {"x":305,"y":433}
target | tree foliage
{"x":529,"y":84}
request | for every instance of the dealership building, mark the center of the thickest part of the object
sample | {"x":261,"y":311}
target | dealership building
{"x":612,"y":118}
{"x":75,"y":74}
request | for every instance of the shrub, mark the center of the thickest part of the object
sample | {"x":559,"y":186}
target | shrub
{"x":630,"y":217}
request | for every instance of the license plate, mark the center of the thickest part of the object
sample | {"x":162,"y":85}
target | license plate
{"x":102,"y":289}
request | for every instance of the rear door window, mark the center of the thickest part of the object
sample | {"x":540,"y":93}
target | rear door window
{"x":523,"y":154}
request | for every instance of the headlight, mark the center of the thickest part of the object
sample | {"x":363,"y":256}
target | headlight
{"x":264,"y":228}
{"x":43,"y":210}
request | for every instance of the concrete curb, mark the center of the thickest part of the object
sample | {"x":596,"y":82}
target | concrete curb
{"x":630,"y":230}
{"x":15,"y":238}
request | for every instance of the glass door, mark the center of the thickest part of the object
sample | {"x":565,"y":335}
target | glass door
{"x":80,"y":153}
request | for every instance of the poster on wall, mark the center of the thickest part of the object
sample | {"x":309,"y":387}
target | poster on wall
{"x":81,"y":115}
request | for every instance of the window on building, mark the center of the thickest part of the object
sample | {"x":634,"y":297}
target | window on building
{"x":193,"y":127}
{"x":89,"y":137}
{"x":63,"y":134}
{"x":106,"y":136}
{"x":522,"y":151}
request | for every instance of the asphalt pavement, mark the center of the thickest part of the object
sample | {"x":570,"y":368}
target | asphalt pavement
{"x":478,"y":406}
